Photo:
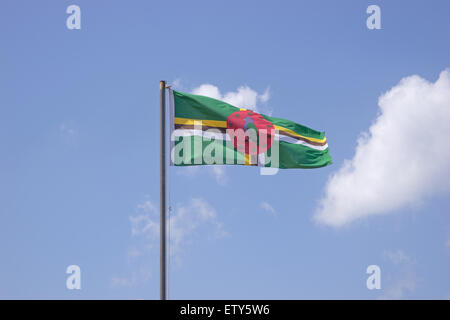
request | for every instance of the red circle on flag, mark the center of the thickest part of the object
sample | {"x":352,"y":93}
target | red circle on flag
{"x":244,"y":120}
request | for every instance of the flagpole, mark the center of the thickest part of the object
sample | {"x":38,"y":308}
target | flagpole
{"x":162,"y":198}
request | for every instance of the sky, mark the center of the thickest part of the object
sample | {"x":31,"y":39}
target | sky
{"x":79,"y":141}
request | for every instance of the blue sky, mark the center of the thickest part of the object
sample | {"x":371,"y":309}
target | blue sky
{"x":79,"y":164}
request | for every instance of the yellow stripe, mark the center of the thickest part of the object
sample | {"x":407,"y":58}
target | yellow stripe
{"x":299,"y":135}
{"x":247,"y":159}
{"x":209,"y":123}
{"x":223,"y":124}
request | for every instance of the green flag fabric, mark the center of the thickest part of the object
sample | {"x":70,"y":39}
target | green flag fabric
{"x":206,"y":131}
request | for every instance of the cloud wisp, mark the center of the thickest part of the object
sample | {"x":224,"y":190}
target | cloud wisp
{"x":268,"y":208}
{"x":404,"y":280}
{"x":187,"y":221}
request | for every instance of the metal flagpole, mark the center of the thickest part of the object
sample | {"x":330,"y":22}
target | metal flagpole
{"x":162,"y":198}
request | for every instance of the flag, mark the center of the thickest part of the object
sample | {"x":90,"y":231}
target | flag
{"x":206,"y":131}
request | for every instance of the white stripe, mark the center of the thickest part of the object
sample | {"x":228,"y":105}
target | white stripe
{"x":296,"y":141}
{"x":205,"y":134}
{"x":224,"y":136}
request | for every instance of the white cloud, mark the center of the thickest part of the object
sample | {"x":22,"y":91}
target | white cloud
{"x":133,"y":254}
{"x":265,"y":96}
{"x":68,"y":134}
{"x":143,"y":224}
{"x":267,"y":207}
{"x":398,"y":290}
{"x":243,"y":97}
{"x":188,"y":219}
{"x":184,"y":223}
{"x":147,"y":207}
{"x":188,"y":171}
{"x":208,"y":90}
{"x":397,"y":257}
{"x":67,"y":130}
{"x":123,"y":282}
{"x":137,"y":277}
{"x":402,"y":160}
{"x":219,"y":174}
{"x":176,"y":84}
{"x":405,"y":277}
{"x":197,"y":218}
